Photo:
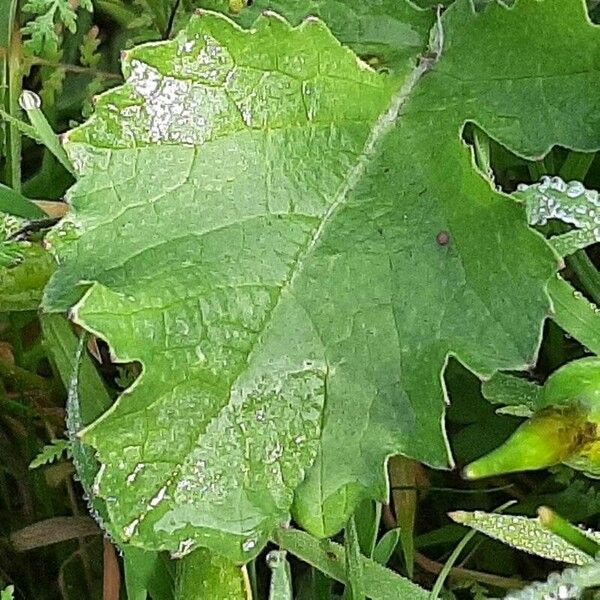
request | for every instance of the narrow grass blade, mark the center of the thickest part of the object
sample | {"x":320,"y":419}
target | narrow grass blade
{"x":281,"y":577}
{"x":31,"y":103}
{"x":62,"y":344}
{"x":577,"y":165}
{"x":386,"y":546}
{"x":367,"y":518}
{"x":15,"y":204}
{"x":586,"y":274}
{"x":354,"y":566}
{"x":441,"y":578}
{"x":87,"y":399}
{"x":12,"y":80}
{"x":20,"y":126}
{"x":439,"y":582}
{"x":575,"y":314}
{"x":313,"y":585}
{"x":482,"y":152}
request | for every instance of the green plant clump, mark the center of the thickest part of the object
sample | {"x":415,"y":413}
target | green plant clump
{"x":291,"y":277}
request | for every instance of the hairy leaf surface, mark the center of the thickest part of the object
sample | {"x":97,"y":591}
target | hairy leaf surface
{"x":526,"y":534}
{"x":292,"y":245}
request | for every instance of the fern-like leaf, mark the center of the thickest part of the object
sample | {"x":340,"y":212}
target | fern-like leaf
{"x":51,"y":453}
{"x":41,"y":30}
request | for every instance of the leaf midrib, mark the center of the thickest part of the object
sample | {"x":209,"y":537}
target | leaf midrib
{"x":382,"y":127}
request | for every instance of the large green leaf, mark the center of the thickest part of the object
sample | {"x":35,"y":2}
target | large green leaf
{"x":387,"y":33}
{"x":292,"y":245}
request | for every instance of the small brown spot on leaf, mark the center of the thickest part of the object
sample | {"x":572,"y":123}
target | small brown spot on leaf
{"x":443,"y":238}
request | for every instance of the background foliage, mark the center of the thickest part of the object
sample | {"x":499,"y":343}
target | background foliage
{"x":68,"y":52}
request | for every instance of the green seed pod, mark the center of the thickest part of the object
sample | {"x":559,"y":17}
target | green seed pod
{"x":565,"y":429}
{"x":577,"y":382}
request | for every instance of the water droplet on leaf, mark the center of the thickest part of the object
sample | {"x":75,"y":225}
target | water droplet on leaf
{"x":249,"y":544}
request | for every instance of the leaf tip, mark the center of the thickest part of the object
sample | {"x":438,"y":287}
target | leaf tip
{"x":470,"y":472}
{"x":457,"y":515}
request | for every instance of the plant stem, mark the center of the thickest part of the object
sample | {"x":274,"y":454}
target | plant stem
{"x":31,"y":103}
{"x":36,"y":60}
{"x":505,"y":583}
{"x":281,"y":576}
{"x":447,"y":568}
{"x":439,"y":582}
{"x":568,"y":532}
{"x":14,"y":92}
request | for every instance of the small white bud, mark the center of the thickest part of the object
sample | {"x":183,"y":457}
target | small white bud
{"x":29,"y":100}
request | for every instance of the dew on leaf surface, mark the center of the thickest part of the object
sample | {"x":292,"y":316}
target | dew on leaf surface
{"x":249,"y":544}
{"x":570,"y":203}
{"x":136,"y":471}
{"x":160,"y":496}
{"x":185,"y":547}
{"x":130,"y":530}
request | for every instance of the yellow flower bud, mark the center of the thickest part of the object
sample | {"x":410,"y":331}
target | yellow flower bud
{"x":564,"y":430}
